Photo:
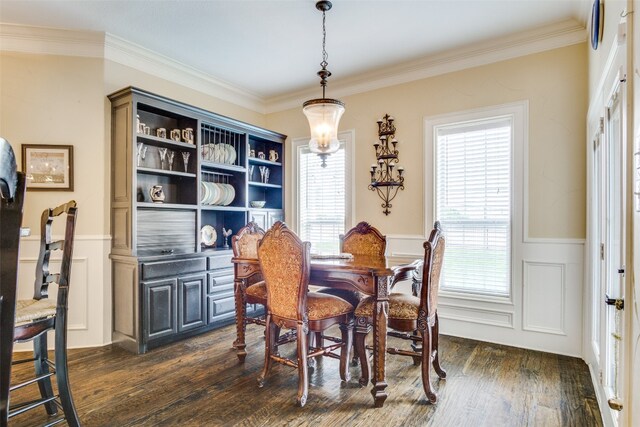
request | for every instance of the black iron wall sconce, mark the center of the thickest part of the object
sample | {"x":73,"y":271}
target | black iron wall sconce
{"x":382,"y":173}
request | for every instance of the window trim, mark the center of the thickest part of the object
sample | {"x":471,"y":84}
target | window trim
{"x":348,"y":137}
{"x":519,"y":111}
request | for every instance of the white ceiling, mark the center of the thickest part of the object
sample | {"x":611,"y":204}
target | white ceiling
{"x":273,"y":47}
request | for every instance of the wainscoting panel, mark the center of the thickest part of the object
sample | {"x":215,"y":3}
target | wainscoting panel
{"x":89,"y":293}
{"x":543,"y":311}
{"x":543,"y":297}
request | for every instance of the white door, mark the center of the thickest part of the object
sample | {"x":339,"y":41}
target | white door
{"x":609,"y":183}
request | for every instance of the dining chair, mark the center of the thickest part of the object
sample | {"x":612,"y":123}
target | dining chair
{"x":36,"y":316}
{"x":12,"y":187}
{"x":363,"y":239}
{"x":408,"y":313}
{"x":252,"y":289}
{"x":284,"y":260}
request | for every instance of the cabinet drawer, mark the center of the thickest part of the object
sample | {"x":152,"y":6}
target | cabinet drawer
{"x":220,"y":261}
{"x":218,"y":306}
{"x":155,"y":269}
{"x":220,"y":282}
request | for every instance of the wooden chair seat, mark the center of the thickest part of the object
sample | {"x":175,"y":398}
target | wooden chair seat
{"x":257,"y":293}
{"x":352,"y":297}
{"x":33,"y":309}
{"x":323,"y":306}
{"x":401,"y":307}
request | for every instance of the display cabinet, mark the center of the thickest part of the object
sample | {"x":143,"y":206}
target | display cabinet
{"x":183,"y":180}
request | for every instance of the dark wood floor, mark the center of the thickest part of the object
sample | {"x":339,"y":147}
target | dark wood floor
{"x":200,"y":382}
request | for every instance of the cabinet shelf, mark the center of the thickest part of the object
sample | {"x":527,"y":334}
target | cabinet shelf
{"x":164,"y":142}
{"x":222,"y":208}
{"x":165,"y":205}
{"x":258,"y":161}
{"x":260,"y":184}
{"x":153,"y":171}
{"x":213,"y":165}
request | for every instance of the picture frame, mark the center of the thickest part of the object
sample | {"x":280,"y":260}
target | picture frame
{"x":48,"y":167}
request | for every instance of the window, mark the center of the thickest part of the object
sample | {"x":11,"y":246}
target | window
{"x":473,"y":198}
{"x":323,"y":200}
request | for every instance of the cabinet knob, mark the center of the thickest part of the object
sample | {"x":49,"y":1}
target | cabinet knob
{"x":167,"y":251}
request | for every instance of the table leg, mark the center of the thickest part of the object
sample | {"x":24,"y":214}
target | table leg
{"x":241,"y":308}
{"x":380,"y":314}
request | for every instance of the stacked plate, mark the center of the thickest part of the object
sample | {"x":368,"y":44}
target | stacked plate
{"x":219,"y":153}
{"x":213,"y":193}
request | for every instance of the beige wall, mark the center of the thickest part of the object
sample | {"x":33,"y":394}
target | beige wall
{"x":555,"y":84}
{"x":58,"y":100}
{"x":47,"y":99}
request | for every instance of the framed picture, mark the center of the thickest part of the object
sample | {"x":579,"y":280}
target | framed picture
{"x":48,"y":167}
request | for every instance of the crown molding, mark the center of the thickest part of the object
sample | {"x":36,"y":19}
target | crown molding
{"x":132,"y":55}
{"x":51,"y":41}
{"x":550,"y":37}
{"x":92,"y":44}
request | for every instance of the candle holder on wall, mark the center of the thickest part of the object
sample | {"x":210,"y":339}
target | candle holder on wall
{"x":383,"y":178}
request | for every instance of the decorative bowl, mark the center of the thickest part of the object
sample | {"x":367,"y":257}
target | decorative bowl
{"x":258,"y":203}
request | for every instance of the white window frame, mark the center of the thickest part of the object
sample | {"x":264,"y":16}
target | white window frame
{"x":519,"y":113}
{"x":345,"y":137}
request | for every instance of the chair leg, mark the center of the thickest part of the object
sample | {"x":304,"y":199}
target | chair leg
{"x":42,"y":368}
{"x":62,"y":371}
{"x":426,"y":365}
{"x":303,"y":377}
{"x":269,"y":348}
{"x":241,"y":320}
{"x":362,"y":330}
{"x":435,"y":334}
{"x":347,"y":343}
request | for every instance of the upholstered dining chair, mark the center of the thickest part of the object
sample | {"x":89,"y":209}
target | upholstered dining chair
{"x":408,"y":313}
{"x":284,"y":260}
{"x":363,"y":239}
{"x":12,"y":187}
{"x":36,"y":316}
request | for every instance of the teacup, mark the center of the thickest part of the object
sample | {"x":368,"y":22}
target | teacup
{"x":161,"y":133}
{"x":176,"y":135}
{"x":261,"y":155}
{"x":147,"y":130}
{"x":187,"y":135}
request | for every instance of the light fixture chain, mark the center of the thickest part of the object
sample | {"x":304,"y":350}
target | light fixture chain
{"x":325,"y":55}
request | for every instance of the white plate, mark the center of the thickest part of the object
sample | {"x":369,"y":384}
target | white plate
{"x":208,"y":235}
{"x":219,"y":193}
{"x":204,"y":193}
{"x":232,"y":154}
{"x":207,"y":152}
{"x":215,"y":193}
{"x":232,"y":194}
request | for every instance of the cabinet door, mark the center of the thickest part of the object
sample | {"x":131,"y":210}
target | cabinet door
{"x":159,"y":309}
{"x":260,"y":218}
{"x":273,"y":217}
{"x":191,"y":302}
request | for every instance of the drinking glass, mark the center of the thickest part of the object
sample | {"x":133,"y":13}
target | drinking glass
{"x":163,"y":156}
{"x":170,"y":156}
{"x":142,"y":152}
{"x":185,"y":159}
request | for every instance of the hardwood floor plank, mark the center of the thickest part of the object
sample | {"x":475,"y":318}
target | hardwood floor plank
{"x":200,"y":382}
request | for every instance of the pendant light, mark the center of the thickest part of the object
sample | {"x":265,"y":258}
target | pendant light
{"x":323,"y":113}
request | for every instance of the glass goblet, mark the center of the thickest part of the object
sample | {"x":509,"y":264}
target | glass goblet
{"x":185,"y":159}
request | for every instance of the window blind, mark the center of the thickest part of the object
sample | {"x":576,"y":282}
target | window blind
{"x":321,"y":199}
{"x":473,"y":203}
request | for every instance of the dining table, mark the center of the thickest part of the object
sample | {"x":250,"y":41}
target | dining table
{"x":366,"y":274}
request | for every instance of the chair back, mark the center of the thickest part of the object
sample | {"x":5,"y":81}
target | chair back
{"x":47,"y":245}
{"x":245,"y":242}
{"x":432,"y":267}
{"x":363,"y":239}
{"x":12,"y":187}
{"x":284,"y":260}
